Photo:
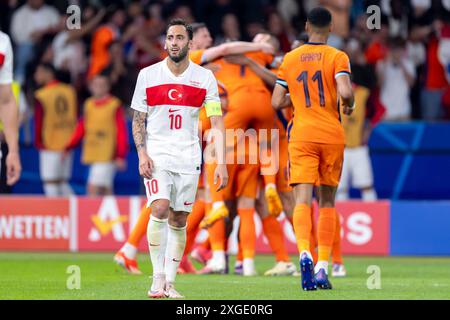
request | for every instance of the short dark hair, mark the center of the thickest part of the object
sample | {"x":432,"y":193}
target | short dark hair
{"x":197,"y":26}
{"x":319,"y":17}
{"x":181,"y":22}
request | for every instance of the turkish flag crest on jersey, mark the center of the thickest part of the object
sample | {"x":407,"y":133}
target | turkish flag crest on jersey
{"x":175,"y":95}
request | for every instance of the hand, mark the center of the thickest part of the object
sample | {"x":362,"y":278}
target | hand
{"x":121,"y":164}
{"x":267,"y":48}
{"x":347,"y":110}
{"x":145,"y":164}
{"x":222,"y":174}
{"x":13,"y":168}
{"x":237,"y":59}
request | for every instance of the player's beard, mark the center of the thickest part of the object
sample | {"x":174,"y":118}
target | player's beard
{"x":181,"y":55}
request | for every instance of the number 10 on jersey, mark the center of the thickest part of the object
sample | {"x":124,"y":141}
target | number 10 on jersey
{"x":175,"y":121}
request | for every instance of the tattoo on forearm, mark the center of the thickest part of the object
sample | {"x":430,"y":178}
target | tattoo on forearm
{"x":139,"y":132}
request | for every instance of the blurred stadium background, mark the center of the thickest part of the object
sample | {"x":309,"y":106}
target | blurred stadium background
{"x":409,"y":142}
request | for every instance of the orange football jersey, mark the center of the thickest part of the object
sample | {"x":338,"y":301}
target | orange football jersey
{"x":309,"y":73}
{"x":196,"y":56}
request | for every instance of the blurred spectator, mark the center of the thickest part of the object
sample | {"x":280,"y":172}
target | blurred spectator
{"x":357,"y":168}
{"x":102,"y":39}
{"x":398,"y":12}
{"x":230,"y":29}
{"x":396,"y":75}
{"x":340,"y":11}
{"x":55,"y":116}
{"x":148,"y":45}
{"x":30,"y":23}
{"x":68,"y":47}
{"x":103,"y":130}
{"x":377,"y":48}
{"x":278,"y":27}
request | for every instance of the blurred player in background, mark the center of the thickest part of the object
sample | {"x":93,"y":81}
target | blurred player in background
{"x":314,"y":75}
{"x":55,"y":116}
{"x":168,"y":96}
{"x":9,"y":113}
{"x":357,"y":168}
{"x":103,"y":129}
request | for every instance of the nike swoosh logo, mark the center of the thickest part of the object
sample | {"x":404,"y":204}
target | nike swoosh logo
{"x":174,"y":110}
{"x":188,"y":203}
{"x":153,"y":245}
{"x":175,"y":260}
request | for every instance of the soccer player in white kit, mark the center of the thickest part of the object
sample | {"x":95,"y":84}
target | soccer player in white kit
{"x":167,"y":101}
{"x":9,"y":113}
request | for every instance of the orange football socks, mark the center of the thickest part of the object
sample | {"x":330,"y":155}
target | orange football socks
{"x":274,"y":233}
{"x":302,"y":226}
{"x":217,"y":235}
{"x":247,"y":232}
{"x":140,"y":229}
{"x":336,"y":251}
{"x":325,"y":232}
{"x":193,"y":220}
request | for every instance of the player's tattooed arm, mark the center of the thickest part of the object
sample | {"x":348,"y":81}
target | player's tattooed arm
{"x":139,"y":136}
{"x":139,"y":132}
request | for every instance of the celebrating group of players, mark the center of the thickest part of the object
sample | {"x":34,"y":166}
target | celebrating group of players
{"x":284,"y":111}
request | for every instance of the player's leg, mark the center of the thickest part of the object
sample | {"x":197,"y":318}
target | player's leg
{"x":303,"y":172}
{"x":338,"y":269}
{"x":274,"y":234}
{"x":100,"y":179}
{"x":348,"y":172}
{"x":49,"y":167}
{"x":193,"y":222}
{"x":182,"y":199}
{"x":269,"y":153}
{"x":126,"y":256}
{"x":66,"y":168}
{"x":330,"y":170}
{"x":158,"y":190}
{"x":218,"y":207}
{"x":325,"y":234}
{"x":362,"y":174}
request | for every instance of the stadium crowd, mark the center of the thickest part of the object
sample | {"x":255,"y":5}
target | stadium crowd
{"x":405,"y":63}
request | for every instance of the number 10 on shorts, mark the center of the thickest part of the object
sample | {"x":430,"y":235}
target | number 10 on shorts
{"x":152,"y":186}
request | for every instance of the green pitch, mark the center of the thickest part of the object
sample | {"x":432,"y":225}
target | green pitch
{"x":44,"y":276}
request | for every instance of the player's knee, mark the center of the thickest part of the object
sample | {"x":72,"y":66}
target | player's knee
{"x":178,"y":220}
{"x":160,"y":209}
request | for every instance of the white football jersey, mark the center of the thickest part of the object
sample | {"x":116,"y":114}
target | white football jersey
{"x":172,"y":104}
{"x":6,"y":59}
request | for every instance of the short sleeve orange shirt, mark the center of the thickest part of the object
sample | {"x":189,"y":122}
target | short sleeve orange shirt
{"x":309,"y":73}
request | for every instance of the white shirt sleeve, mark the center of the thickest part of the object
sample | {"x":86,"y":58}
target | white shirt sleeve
{"x":212,"y":91}
{"x":139,"y":101}
{"x":212,"y":98}
{"x":6,"y":69}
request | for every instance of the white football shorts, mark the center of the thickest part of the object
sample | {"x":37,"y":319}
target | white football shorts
{"x":102,"y":174}
{"x":52,"y":167}
{"x":179,"y":188}
{"x":356,"y":169}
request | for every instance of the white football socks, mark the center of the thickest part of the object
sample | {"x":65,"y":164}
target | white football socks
{"x":321,"y":265}
{"x":369,"y":195}
{"x":51,"y":189}
{"x":129,"y":250}
{"x":218,"y":257}
{"x":157,"y":242}
{"x":65,"y":189}
{"x":176,"y":242}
